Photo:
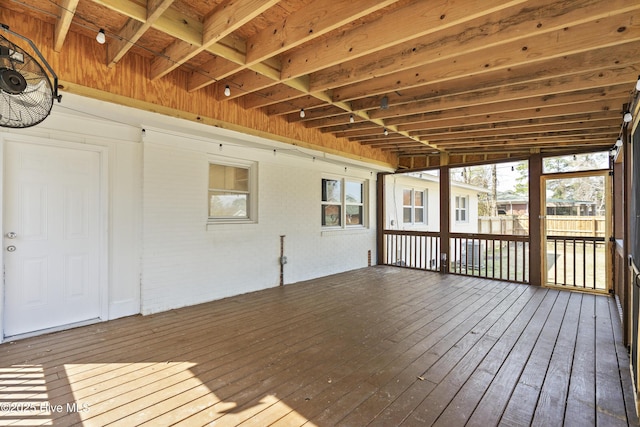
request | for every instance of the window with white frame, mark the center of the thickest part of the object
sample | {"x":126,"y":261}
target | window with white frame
{"x":231,"y":192}
{"x":462,"y":203}
{"x":413,"y":206}
{"x":343,"y":202}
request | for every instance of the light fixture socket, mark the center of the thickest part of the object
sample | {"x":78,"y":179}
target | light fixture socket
{"x":100,"y":37}
{"x":384,"y":103}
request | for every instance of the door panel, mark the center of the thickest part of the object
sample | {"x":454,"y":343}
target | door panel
{"x":52,"y":203}
{"x":576,"y":230}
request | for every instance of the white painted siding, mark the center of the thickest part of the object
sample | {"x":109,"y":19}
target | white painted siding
{"x":123,"y":145}
{"x":394,"y":186}
{"x":186,"y":261}
{"x":162,"y":254}
{"x":471,"y":223}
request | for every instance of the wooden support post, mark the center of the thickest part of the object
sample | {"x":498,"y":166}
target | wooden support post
{"x":445,"y":213}
{"x":380,"y":217}
{"x":536,"y":252}
{"x":625,"y":235}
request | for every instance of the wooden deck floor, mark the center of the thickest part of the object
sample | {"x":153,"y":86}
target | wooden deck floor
{"x":379,"y":346}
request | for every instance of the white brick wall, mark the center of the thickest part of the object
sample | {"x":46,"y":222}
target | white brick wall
{"x":67,"y":124}
{"x":161,"y":253}
{"x":185,"y":262}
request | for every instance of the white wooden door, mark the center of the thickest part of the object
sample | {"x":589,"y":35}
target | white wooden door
{"x":52,"y":263}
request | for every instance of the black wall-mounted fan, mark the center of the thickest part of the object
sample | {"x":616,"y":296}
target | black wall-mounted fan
{"x":26,"y":92}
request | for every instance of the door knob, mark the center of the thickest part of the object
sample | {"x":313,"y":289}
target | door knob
{"x":11,"y":248}
{"x":11,"y":235}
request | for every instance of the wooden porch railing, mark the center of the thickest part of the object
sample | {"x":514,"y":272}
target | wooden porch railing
{"x":576,"y":262}
{"x":504,"y":257}
{"x":413,"y":249}
{"x":493,"y":256}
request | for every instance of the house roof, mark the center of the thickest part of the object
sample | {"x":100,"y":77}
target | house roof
{"x":429,"y":177}
{"x":508,"y":197}
{"x":406,"y":78}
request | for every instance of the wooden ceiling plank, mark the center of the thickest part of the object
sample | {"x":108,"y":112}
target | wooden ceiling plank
{"x":509,"y":25}
{"x":354,"y":134}
{"x":249,"y":81}
{"x":308,"y":103}
{"x":610,"y":122}
{"x":466,"y":116}
{"x":530,"y":143}
{"x":549,"y":87}
{"x":246,"y":82}
{"x":306,"y":24}
{"x":273,"y":95}
{"x":172,"y":22}
{"x":388,"y":30}
{"x":128,"y":8}
{"x":546,"y":136}
{"x":216,"y":66}
{"x":534,"y":50}
{"x":231,"y":15}
{"x":337,"y":120}
{"x":190,"y":31}
{"x":224,"y":19}
{"x":133,"y":30}
{"x":583,"y":62}
{"x":67,"y":12}
{"x":567,"y":120}
{"x":463,"y":138}
{"x":528,"y":106}
{"x":314,"y":114}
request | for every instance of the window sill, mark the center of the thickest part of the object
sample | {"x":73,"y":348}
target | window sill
{"x":344,"y":231}
{"x":229,"y":225}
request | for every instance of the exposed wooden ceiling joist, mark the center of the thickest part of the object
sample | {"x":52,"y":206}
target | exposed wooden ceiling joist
{"x":439,"y":76}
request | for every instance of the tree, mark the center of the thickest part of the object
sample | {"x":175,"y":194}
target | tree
{"x":589,"y":189}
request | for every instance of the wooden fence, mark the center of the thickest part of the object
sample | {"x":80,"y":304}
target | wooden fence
{"x":557,"y":225}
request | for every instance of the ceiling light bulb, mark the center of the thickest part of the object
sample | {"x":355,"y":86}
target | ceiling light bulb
{"x":351,"y":119}
{"x":627,"y":117}
{"x":386,"y":132}
{"x":100,"y":37}
{"x":619,"y":142}
{"x":302,"y":114}
{"x":227,"y":91}
{"x":638,"y":84}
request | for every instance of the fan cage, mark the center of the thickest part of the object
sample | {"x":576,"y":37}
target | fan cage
{"x":26,"y":92}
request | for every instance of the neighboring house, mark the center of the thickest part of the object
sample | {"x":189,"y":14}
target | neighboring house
{"x":413,"y":203}
{"x":514,"y":204}
{"x":153,"y":213}
{"x":571,"y":207}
